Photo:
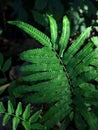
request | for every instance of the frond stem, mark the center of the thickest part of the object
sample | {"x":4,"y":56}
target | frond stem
{"x":69,"y":80}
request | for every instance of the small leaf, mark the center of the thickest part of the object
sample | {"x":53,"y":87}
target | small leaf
{"x":26,"y":125}
{"x":64,"y":35}
{"x":1,"y":60}
{"x":35,"y":116}
{"x":10,"y":107}
{"x":26,"y":112}
{"x":95,"y":40}
{"x":19,"y":109}
{"x":53,"y":30}
{"x":5,"y":119}
{"x":15,"y":123}
{"x":6,"y":65}
{"x":2,"y":108}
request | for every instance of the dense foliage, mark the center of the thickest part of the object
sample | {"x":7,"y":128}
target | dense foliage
{"x":65,"y":77}
{"x":59,"y":75}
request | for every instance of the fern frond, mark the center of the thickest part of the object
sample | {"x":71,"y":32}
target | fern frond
{"x":64,"y":36}
{"x":68,"y":83}
{"x":53,"y":31}
{"x":33,"y":32}
{"x":76,"y":45}
{"x":50,"y":81}
{"x":43,"y":55}
{"x":18,"y":116}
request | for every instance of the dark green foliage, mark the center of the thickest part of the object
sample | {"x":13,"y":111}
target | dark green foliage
{"x":4,"y":67}
{"x":19,"y":116}
{"x":62,"y":74}
{"x":80,"y":13}
{"x":66,"y":79}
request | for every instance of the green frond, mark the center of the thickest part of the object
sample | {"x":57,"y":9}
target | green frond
{"x":72,"y":50}
{"x":35,"y":116}
{"x":41,"y":56}
{"x":48,"y":78}
{"x":26,"y":113}
{"x":18,"y":116}
{"x":2,"y":108}
{"x":6,"y":119}
{"x":64,"y":36}
{"x":54,"y":115}
{"x":90,"y":118}
{"x":53,"y":31}
{"x":33,"y":32}
{"x":67,"y":83}
{"x":43,"y":67}
{"x":15,"y":123}
{"x":10,"y":107}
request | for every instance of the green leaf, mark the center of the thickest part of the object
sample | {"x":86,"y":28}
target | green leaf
{"x":10,"y":107}
{"x":26,"y":125}
{"x":15,"y":123}
{"x":6,"y":65}
{"x":2,"y":108}
{"x":95,"y":40}
{"x":26,"y":112}
{"x":1,"y":60}
{"x":64,"y":36}
{"x":19,"y":109}
{"x":35,"y":117}
{"x":6,"y":118}
{"x":33,"y":32}
{"x":53,"y":31}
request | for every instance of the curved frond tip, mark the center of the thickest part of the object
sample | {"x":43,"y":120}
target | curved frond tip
{"x":33,"y":32}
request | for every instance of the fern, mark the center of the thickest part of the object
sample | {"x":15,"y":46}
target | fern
{"x":67,"y":79}
{"x":27,"y":120}
{"x":64,"y":36}
{"x":54,"y":31}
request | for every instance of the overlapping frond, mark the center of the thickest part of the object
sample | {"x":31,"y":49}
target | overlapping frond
{"x":82,"y":67}
{"x":68,"y":81}
{"x":47,"y":77}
